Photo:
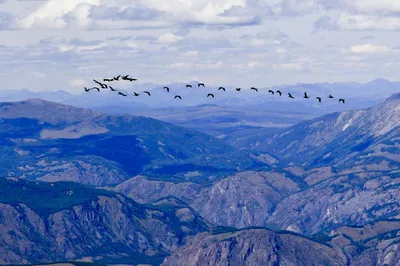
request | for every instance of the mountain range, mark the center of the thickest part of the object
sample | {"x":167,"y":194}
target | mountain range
{"x":323,"y":191}
{"x":52,"y":142}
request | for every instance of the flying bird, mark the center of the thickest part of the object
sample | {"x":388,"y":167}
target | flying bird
{"x":200,"y":84}
{"x":290,"y":95}
{"x":131,"y":79}
{"x":221,"y":88}
{"x":188,"y":86}
{"x":210,"y":94}
{"x":252,"y":88}
{"x":318,"y":98}
{"x":95,"y":88}
{"x":120,"y":93}
{"x":125,"y":77}
{"x":238,"y":89}
{"x":280,"y":93}
{"x":111,"y":88}
{"x":117,"y":78}
{"x":166,"y":88}
{"x":271,"y":91}
{"x":147,"y":93}
{"x":103,"y":86}
{"x":330,"y":96}
{"x":341,"y":100}
{"x":135,"y":94}
{"x":86,"y":89}
{"x":306,"y":96}
{"x":177,"y":96}
{"x":108,"y":80}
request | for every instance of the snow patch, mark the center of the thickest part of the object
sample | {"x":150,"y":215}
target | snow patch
{"x":348,"y":124}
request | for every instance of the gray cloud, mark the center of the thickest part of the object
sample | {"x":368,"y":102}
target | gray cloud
{"x":6,"y":20}
{"x":367,"y":37}
{"x":129,"y":13}
{"x":325,"y":23}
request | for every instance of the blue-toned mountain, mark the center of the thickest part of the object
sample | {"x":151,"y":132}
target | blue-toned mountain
{"x":52,"y":142}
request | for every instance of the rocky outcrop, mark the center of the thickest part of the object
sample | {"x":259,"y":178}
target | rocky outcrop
{"x":104,"y":226}
{"x":241,"y":200}
{"x":254,"y":247}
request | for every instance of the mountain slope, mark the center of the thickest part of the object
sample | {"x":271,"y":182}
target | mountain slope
{"x":52,"y":142}
{"x":240,"y":200}
{"x":254,"y":247}
{"x":44,"y":222}
{"x":342,"y":139}
{"x":375,"y":244}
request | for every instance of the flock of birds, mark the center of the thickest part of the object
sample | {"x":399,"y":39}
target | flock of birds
{"x":127,"y":78}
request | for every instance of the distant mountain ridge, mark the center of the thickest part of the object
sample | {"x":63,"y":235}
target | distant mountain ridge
{"x":76,"y":144}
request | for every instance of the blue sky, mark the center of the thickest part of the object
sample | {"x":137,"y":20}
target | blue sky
{"x":63,"y":44}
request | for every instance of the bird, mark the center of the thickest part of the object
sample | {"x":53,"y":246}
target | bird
{"x":108,"y":80}
{"x":280,"y":93}
{"x":238,"y":89}
{"x":117,"y":78}
{"x":290,"y":95}
{"x":319,"y":98}
{"x":135,"y":94}
{"x":95,"y":88}
{"x":271,"y":91}
{"x":125,"y":77}
{"x":147,"y":93}
{"x":306,"y":96}
{"x":221,"y":88}
{"x":210,"y":94}
{"x":120,"y":93}
{"x":103,"y":86}
{"x":200,"y":84}
{"x":86,"y":89}
{"x":111,"y":88}
{"x":330,"y":96}
{"x":131,"y":79}
{"x":188,"y":86}
{"x":166,"y":88}
{"x":177,"y":96}
{"x":341,"y":100}
{"x":252,"y":88}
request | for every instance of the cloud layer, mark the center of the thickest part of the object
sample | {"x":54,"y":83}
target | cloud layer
{"x":65,"y":43}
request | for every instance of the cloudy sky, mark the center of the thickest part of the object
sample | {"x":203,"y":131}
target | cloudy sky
{"x":63,"y":44}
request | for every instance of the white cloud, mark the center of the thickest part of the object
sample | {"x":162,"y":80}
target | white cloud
{"x":78,"y":82}
{"x":370,"y":48}
{"x":169,"y":38}
{"x":52,"y":14}
{"x":97,"y":14}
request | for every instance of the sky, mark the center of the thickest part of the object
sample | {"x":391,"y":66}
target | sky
{"x":64,"y":44}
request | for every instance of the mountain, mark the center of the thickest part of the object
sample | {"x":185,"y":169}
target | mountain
{"x":359,"y":184}
{"x":356,"y":138}
{"x":46,"y":222}
{"x":240,"y":200}
{"x":254,"y":247}
{"x":52,"y":142}
{"x":375,"y":244}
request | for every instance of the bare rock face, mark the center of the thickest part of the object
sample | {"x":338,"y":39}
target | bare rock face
{"x":143,"y":190}
{"x":354,"y":199}
{"x":254,"y":247}
{"x":91,"y":223}
{"x":244,"y":199}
